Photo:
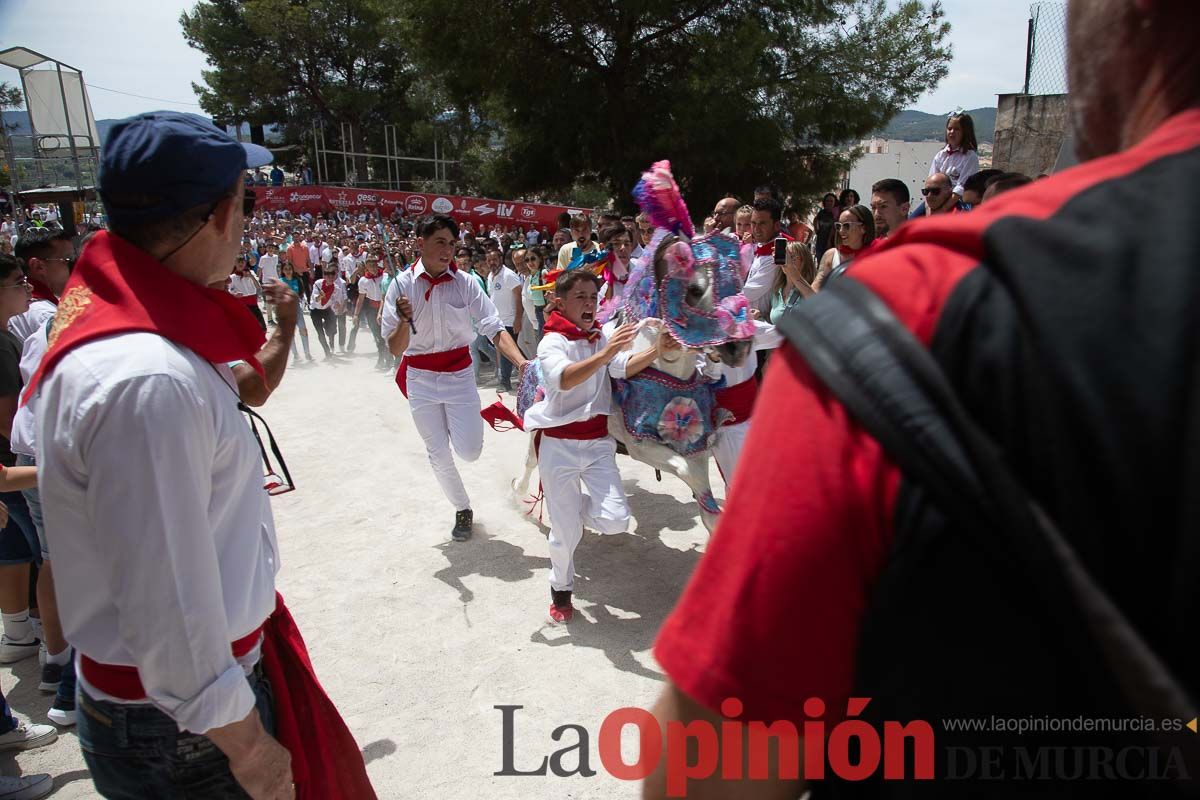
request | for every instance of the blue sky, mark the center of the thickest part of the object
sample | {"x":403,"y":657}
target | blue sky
{"x":137,"y":48}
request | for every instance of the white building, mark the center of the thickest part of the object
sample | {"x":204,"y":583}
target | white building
{"x":892,"y":158}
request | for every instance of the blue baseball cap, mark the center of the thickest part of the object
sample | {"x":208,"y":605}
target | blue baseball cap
{"x":176,"y":160}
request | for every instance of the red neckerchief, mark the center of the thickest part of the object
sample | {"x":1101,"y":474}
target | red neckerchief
{"x":327,"y":287}
{"x":951,"y":150}
{"x":557,"y":323}
{"x":41,"y":291}
{"x":846,"y":252}
{"x":768,"y":249}
{"x":118,"y":288}
{"x":445,"y":277}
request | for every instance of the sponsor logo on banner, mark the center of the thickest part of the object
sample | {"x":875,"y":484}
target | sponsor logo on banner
{"x":442,"y":206}
{"x":528,"y":212}
{"x":340,"y":199}
{"x":367,"y":200}
{"x":416,"y":204}
{"x":483,"y":209}
{"x":504,"y":210}
{"x":300,"y":197}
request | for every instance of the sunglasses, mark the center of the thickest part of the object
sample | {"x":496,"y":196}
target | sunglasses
{"x":275,"y":482}
{"x":931,"y":192}
{"x":844,"y":226}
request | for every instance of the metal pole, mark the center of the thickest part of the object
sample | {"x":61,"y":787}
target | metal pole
{"x":324,"y":152}
{"x":62,"y":88}
{"x":1028,"y":53}
{"x":387,"y":153}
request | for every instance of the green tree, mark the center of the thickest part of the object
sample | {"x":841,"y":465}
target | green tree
{"x":294,"y":62}
{"x":734,"y":92}
{"x":10,"y":98}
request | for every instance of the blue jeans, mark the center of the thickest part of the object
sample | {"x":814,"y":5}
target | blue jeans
{"x":506,"y":366}
{"x":7,"y":721}
{"x":136,"y":751}
{"x":18,"y":539}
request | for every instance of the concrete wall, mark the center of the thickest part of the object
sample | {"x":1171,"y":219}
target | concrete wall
{"x":1030,"y":130}
{"x":908,"y":161}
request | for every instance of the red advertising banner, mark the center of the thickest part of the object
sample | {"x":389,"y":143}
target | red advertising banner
{"x":476,"y":210}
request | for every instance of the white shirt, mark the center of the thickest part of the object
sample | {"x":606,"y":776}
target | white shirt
{"x":314,"y":255}
{"x":23,"y":325}
{"x":346,"y":265}
{"x":448,"y":319}
{"x":957,"y":166}
{"x":163,"y":540}
{"x":242,"y":285}
{"x":370,"y":287}
{"x":500,"y":285}
{"x":24,"y":439}
{"x":760,"y":280}
{"x":268,"y":267}
{"x":336,"y":300}
{"x":531,"y":238}
{"x":562,"y":406}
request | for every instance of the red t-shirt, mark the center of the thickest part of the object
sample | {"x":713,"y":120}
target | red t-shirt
{"x":773,"y":612}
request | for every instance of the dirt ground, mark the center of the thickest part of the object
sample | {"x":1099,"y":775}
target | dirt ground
{"x":417,"y":638}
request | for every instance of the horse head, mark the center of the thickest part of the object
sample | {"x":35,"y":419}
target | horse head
{"x":695,"y":288}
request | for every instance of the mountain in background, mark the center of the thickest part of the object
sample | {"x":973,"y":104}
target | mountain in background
{"x":917,"y":126}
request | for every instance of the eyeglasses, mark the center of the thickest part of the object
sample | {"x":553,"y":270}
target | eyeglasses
{"x":931,"y":192}
{"x":69,"y":261}
{"x":23,"y":283}
{"x":844,"y":226}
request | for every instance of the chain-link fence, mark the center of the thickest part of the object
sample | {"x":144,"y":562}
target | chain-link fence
{"x":1046,"y":49}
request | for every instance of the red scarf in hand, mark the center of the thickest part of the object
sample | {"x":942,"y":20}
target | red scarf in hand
{"x":41,"y":291}
{"x":119,"y":288}
{"x":326,"y":761}
{"x":557,"y":323}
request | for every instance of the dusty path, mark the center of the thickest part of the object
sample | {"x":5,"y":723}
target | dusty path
{"x":417,"y":638}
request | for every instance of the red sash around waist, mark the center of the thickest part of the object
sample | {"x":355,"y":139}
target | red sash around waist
{"x":249,"y":299}
{"x":738,"y":400}
{"x":445,"y":361}
{"x":123,"y":682}
{"x":373,"y":303}
{"x":594,"y":428}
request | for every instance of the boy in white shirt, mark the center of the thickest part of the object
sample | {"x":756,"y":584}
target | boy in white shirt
{"x":571,"y":427}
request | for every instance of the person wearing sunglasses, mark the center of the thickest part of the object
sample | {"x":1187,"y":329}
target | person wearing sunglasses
{"x":165,"y":551}
{"x":853,"y":233}
{"x":48,"y":256}
{"x":940,"y":197}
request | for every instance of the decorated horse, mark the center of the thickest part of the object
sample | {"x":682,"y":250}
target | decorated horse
{"x":687,"y":290}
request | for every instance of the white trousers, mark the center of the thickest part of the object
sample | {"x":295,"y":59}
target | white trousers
{"x":445,"y":408}
{"x":728,"y":449}
{"x":565,"y":467}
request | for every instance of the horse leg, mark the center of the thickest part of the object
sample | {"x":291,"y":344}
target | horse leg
{"x":520,"y":486}
{"x":693,"y":470}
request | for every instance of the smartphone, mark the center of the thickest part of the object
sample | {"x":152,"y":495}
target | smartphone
{"x":780,"y":250}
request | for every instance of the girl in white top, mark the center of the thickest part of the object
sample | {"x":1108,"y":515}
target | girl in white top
{"x":959,"y":159}
{"x":616,"y":239}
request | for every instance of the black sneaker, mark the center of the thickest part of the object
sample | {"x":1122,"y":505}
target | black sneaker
{"x":462,"y":525}
{"x":51,"y":677}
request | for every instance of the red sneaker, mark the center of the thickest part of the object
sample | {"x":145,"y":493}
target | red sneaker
{"x":561,"y":614}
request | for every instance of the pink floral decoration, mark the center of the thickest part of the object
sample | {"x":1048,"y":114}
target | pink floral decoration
{"x":681,"y":421}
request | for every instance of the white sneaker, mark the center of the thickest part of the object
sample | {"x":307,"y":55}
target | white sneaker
{"x":28,"y":737}
{"x":42,"y":654}
{"x":26,"y":787}
{"x":11,"y":652}
{"x":62,"y":717}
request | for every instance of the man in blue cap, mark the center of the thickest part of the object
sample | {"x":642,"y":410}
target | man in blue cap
{"x":165,"y":547}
